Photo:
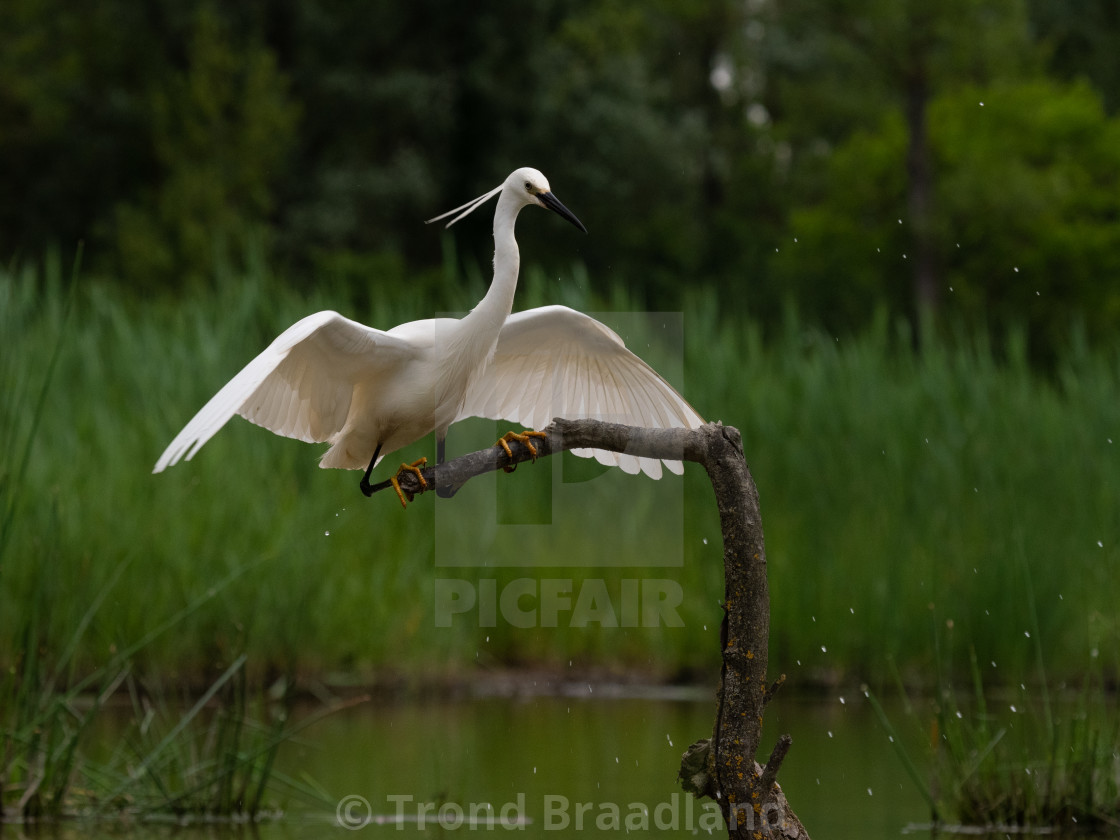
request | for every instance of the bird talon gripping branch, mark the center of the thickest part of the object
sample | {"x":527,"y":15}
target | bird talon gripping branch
{"x":413,"y":468}
{"x":526,"y":438}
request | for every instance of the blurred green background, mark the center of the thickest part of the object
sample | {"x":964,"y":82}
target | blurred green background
{"x":892,"y":228}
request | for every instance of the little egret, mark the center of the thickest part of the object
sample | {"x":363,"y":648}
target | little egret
{"x":369,"y":393}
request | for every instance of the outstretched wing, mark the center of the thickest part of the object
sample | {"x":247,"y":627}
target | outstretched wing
{"x":556,"y":362}
{"x":300,"y":386}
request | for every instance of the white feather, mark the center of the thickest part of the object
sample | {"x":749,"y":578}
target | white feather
{"x":557,"y":362}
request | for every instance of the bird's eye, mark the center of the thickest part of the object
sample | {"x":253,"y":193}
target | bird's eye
{"x":528,"y":187}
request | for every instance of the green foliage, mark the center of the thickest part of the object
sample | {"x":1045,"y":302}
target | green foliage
{"x":49,"y":705}
{"x":1028,"y":193}
{"x":1028,"y":759}
{"x":891,"y":478}
{"x":1025,"y":214}
{"x":220,"y":129}
{"x":1082,"y":40}
{"x":695,"y":140}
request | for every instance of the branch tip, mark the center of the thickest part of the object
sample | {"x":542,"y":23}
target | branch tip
{"x":774,"y":764}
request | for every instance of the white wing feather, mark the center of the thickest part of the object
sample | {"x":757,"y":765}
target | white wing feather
{"x":557,"y":362}
{"x":300,"y":386}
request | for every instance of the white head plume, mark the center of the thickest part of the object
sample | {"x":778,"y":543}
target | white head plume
{"x":467,"y":208}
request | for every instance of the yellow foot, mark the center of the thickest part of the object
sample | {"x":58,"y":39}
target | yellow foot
{"x":413,"y":468}
{"x":526,"y":438}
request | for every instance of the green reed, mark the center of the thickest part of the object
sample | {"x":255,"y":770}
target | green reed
{"x":891,"y":479}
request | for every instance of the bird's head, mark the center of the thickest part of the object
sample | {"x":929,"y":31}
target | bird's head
{"x":532,"y":187}
{"x":526,"y":185}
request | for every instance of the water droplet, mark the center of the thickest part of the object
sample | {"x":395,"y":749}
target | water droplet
{"x":852,"y":610}
{"x":1100,"y":544}
{"x":326,"y":533}
{"x":705,"y":540}
{"x":1027,"y":633}
{"x":842,"y":701}
{"x":824,"y":649}
{"x":667,"y":738}
{"x":1013,"y":709}
{"x":830,"y":733}
{"x":869,"y":792}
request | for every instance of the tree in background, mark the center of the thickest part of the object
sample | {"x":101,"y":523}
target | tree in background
{"x":221,"y":127}
{"x":867,"y":57}
{"x":764,"y":150}
{"x":1027,"y":201}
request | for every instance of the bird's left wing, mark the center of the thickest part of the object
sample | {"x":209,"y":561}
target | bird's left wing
{"x":557,"y":362}
{"x":300,"y":386}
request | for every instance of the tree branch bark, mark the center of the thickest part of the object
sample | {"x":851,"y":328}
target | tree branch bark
{"x":723,"y":767}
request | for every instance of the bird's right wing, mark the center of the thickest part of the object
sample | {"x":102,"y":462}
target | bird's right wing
{"x":557,"y":362}
{"x":300,"y":386}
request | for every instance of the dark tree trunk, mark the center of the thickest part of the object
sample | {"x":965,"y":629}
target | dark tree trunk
{"x":919,"y":194}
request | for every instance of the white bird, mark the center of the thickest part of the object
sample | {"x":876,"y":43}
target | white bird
{"x":369,"y":393}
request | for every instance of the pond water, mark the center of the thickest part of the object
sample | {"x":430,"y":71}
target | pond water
{"x":583,"y":765}
{"x":591,"y":762}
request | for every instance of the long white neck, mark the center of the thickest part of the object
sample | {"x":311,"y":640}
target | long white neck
{"x":493,"y":310}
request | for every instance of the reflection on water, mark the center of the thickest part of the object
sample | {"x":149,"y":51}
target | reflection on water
{"x":580,"y":764}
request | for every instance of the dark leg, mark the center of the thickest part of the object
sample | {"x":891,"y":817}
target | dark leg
{"x":367,"y":488}
{"x":444,"y":491}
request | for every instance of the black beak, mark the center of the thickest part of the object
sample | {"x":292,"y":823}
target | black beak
{"x":550,"y":201}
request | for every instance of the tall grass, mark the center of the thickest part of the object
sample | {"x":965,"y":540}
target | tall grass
{"x":895,"y":484}
{"x":46,"y":711}
{"x":1022,"y":759}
